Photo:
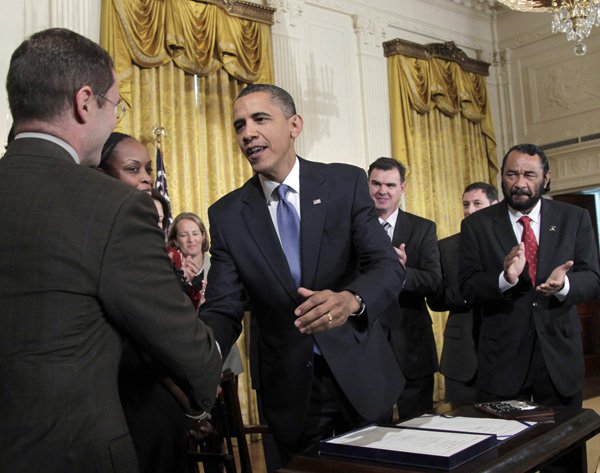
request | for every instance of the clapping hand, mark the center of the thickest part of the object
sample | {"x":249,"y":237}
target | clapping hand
{"x":190,"y":269}
{"x":401,"y":252}
{"x":514,"y":263}
{"x":556,"y":280}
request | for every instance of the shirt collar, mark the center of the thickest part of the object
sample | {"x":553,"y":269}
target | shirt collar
{"x":292,"y":180}
{"x":54,"y":139}
{"x":534,"y":215}
{"x":392,"y":219}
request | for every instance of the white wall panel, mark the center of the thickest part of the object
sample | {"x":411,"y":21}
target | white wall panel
{"x":330,"y":101}
{"x":22,"y":18}
{"x":12,"y":25}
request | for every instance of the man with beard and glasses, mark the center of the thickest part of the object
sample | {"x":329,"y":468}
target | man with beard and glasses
{"x":524,"y":265}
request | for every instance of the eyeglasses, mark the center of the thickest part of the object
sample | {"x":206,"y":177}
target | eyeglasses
{"x":120,"y":108}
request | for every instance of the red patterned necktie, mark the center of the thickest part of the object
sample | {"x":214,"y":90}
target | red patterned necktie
{"x":531,"y":247}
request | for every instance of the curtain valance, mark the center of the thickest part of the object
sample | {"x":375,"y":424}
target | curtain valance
{"x":442,"y":76}
{"x":199,"y":38}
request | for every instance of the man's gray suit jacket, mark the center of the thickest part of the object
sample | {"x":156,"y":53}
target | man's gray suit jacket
{"x":81,"y":262}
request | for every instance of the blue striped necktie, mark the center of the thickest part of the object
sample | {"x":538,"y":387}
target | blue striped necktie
{"x":288,"y":223}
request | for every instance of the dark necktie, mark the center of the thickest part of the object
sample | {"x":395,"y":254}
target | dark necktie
{"x":531,"y":247}
{"x":288,"y":223}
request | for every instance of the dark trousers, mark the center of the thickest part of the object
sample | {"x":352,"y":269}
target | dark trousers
{"x":416,"y":398}
{"x":330,"y":413}
{"x":272,"y":458}
{"x":539,"y":388}
{"x":461,"y":392}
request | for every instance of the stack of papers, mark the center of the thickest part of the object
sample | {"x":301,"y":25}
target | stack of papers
{"x":501,"y":428}
{"x":431,"y":441}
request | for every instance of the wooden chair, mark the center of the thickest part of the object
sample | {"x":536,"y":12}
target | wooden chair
{"x":229,"y":424}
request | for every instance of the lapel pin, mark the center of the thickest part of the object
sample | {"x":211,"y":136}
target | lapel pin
{"x":316,"y":201}
{"x":552,"y":228}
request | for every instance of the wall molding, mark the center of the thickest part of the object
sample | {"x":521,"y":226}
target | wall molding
{"x":575,"y":168}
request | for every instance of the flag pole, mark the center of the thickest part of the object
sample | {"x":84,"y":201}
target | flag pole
{"x":159,"y":133}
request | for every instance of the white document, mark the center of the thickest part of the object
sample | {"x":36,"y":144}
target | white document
{"x":502,"y":428}
{"x":424,"y":442}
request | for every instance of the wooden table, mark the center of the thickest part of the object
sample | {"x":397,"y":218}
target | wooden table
{"x":548,"y":442}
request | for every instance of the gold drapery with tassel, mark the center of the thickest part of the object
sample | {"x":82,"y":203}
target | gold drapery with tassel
{"x":442,"y":130}
{"x":180,"y":64}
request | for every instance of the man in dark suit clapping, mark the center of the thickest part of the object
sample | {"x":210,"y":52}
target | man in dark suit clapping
{"x":82,"y":262}
{"x":458,"y":362}
{"x":407,"y":320}
{"x":524,"y":265}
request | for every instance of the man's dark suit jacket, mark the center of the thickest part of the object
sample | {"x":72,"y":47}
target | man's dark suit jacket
{"x":342,"y":247}
{"x":459,"y":358}
{"x":81,"y":259}
{"x":407,"y":319}
{"x":510,"y":320}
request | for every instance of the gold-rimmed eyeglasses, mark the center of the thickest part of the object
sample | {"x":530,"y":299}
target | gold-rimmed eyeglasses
{"x":120,"y":107}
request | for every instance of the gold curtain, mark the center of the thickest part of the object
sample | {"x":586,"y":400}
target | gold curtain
{"x":442,"y":130}
{"x":180,"y":64}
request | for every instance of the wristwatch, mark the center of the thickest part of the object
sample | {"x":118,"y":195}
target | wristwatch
{"x":361,"y":302}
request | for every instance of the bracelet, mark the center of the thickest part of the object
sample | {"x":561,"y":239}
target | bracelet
{"x":199,"y":418}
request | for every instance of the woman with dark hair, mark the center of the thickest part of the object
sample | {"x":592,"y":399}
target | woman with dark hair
{"x":126,"y":159}
{"x":154,"y":406}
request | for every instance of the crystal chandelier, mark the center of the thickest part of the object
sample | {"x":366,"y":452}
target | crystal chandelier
{"x":575,"y":18}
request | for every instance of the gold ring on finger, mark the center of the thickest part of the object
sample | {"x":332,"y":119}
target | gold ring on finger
{"x":328,"y":314}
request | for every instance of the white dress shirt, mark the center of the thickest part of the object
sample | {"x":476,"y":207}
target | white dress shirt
{"x":293,"y":196}
{"x":535,"y":224}
{"x":391,"y":220}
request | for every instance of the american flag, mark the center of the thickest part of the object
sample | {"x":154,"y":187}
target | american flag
{"x":161,"y":181}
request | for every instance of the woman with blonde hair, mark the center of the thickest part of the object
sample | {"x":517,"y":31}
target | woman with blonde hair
{"x":187,"y":244}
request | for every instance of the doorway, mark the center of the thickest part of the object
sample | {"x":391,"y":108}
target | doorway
{"x":589,"y":312}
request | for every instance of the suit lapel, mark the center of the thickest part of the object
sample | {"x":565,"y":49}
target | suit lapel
{"x":401,"y":229}
{"x":313,"y":208}
{"x":549,"y":232}
{"x":502,"y":227}
{"x":260,"y":227}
